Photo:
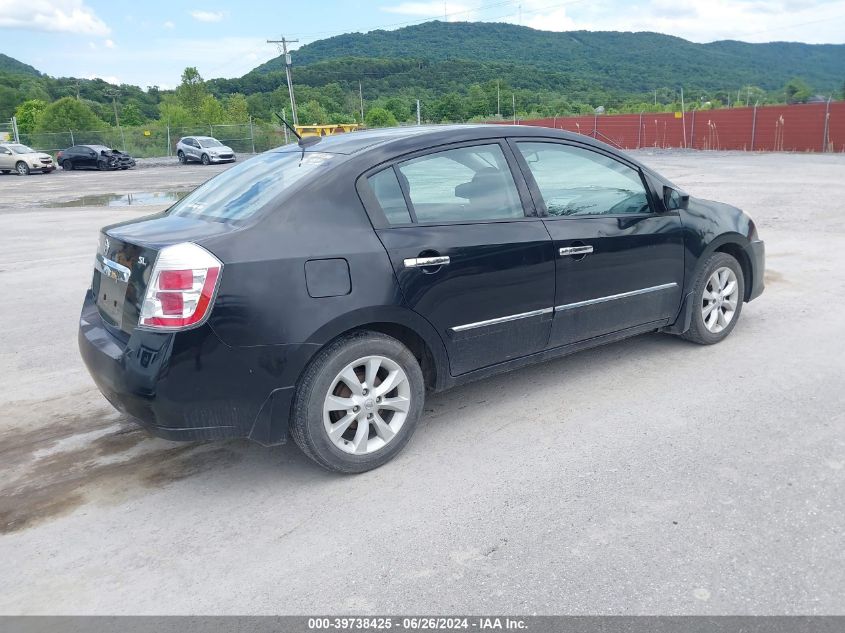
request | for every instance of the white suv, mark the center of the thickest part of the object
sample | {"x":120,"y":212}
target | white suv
{"x":204,"y":149}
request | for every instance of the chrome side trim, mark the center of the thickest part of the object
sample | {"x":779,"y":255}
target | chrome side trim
{"x":422,"y":262}
{"x":504,"y":319}
{"x":621,"y":295}
{"x":575,"y":250}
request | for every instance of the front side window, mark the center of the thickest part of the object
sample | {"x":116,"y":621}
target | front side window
{"x":464,"y":184}
{"x":575,"y":181}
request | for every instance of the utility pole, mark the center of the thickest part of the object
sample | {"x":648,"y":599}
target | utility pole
{"x":284,"y":42}
{"x":498,"y":101}
{"x":418,"y":111}
{"x":361,"y":97}
{"x":513,"y":99}
{"x":683,"y":117}
{"x":113,"y":93}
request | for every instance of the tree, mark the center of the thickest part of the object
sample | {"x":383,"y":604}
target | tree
{"x":192,"y":91}
{"x":69,"y":114}
{"x":398,"y":108}
{"x":173,"y":113}
{"x":380,"y":117}
{"x":237,"y":108}
{"x":449,"y":108}
{"x":131,"y":114}
{"x":477,"y":104}
{"x":312,"y":113}
{"x":28,"y":114}
{"x":211,"y":111}
{"x":797,"y":91}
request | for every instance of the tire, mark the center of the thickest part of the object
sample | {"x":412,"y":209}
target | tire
{"x":707,"y":326}
{"x":67,"y":165}
{"x":22,"y":168}
{"x":205,"y":159}
{"x":182,"y":158}
{"x":353,"y":450}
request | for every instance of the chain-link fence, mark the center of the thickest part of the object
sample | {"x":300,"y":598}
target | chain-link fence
{"x":157,"y":140}
{"x":7,"y":131}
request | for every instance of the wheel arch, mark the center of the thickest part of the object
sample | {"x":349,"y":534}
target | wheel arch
{"x":406,"y":326}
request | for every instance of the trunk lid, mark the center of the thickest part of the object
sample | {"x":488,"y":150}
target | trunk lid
{"x":125,"y":257}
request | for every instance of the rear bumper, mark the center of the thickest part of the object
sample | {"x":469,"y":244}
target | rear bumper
{"x":757,"y":253}
{"x":190,"y":385}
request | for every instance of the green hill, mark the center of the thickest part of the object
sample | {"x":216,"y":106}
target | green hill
{"x":618,"y":61}
{"x":13,"y":66}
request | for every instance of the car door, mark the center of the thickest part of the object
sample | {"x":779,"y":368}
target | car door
{"x":467,"y":255}
{"x":85,"y":156}
{"x":619,"y":258}
{"x":6,"y":158}
{"x":191,"y":148}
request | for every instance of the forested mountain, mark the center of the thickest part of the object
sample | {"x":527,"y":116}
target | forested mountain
{"x":12,"y":65}
{"x":458,"y":72}
{"x":620,"y":61}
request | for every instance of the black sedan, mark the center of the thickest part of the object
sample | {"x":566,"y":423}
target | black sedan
{"x":93,"y":157}
{"x":321,"y":290}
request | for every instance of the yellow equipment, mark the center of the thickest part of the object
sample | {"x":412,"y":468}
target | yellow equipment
{"x":325,"y":130}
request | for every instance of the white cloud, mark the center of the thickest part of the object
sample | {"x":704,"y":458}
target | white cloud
{"x":109,"y":44}
{"x":107,"y":78}
{"x":208,"y":16}
{"x":169,"y":25}
{"x":65,"y":16}
{"x":696,"y":20}
{"x":453,"y":11}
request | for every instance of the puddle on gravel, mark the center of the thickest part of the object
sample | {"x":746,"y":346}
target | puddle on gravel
{"x":142,"y":198}
{"x":53,"y":470}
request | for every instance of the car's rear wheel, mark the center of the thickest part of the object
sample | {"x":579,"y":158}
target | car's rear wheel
{"x":718,"y":294}
{"x":358,"y":402}
{"x":205,"y":159}
{"x":181,"y":156}
{"x":67,"y":165}
{"x":22,"y":168}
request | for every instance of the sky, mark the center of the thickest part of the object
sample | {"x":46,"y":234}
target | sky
{"x":150,"y":42}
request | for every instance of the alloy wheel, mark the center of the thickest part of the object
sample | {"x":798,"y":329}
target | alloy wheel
{"x":366,"y":405}
{"x":720,"y":299}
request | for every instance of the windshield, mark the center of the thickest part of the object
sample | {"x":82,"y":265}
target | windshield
{"x":241,"y":191}
{"x":21,"y":149}
{"x":210,"y":142}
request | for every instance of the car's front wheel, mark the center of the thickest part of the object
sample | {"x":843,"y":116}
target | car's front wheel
{"x":358,"y":403}
{"x":22,"y":168}
{"x":205,"y":159}
{"x":718,"y":294}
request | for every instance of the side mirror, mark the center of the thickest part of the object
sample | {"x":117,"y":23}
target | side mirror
{"x":674,"y":199}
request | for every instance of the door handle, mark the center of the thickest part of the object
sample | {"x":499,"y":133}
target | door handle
{"x":425,"y":262}
{"x":575,"y":250}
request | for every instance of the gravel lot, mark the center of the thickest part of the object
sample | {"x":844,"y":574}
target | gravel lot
{"x":647,"y":477}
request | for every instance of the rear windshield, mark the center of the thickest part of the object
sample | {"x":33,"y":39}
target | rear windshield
{"x":241,"y":191}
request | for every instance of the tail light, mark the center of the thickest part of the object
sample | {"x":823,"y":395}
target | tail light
{"x":182,"y":287}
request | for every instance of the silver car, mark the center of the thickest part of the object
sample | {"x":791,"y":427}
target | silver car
{"x":204,"y":149}
{"x":23,"y":159}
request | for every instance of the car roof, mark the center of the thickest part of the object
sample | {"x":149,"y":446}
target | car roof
{"x":352,"y":143}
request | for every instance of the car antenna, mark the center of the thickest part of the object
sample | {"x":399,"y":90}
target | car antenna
{"x":302,"y":142}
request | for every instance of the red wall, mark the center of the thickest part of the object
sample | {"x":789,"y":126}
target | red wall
{"x":792,"y":128}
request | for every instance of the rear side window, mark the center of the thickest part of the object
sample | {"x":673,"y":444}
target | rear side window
{"x":239,"y":192}
{"x":464,"y":184}
{"x":386,"y":189}
{"x":575,"y":181}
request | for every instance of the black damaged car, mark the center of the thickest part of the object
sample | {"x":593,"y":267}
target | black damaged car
{"x":93,"y":157}
{"x":319,"y":291}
